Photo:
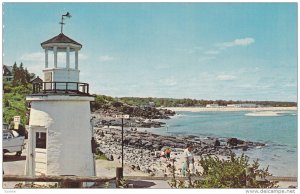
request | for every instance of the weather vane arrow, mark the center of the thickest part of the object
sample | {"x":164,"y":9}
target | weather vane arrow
{"x":68,"y":15}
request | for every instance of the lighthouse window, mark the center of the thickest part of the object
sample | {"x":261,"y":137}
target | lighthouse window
{"x":41,"y":140}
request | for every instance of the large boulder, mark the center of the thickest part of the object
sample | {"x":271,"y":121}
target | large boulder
{"x":217,"y":143}
{"x":234,"y":141}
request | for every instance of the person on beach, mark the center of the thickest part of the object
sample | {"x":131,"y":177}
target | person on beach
{"x":188,"y":160}
{"x":162,"y":154}
{"x":168,"y":153}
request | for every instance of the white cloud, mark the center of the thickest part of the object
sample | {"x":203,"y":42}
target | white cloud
{"x":244,"y":42}
{"x":218,"y":48}
{"x":226,"y":77}
{"x":33,"y":57}
{"x":237,"y":42}
{"x":105,"y":58}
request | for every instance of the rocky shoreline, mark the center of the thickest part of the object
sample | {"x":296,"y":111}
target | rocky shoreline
{"x":141,"y":148}
{"x":145,"y":117}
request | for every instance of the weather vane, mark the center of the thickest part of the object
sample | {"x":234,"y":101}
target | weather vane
{"x":62,"y":20}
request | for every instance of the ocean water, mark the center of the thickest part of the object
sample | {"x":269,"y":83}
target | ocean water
{"x":277,"y":130}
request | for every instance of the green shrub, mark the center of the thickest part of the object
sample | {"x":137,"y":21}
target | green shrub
{"x":230,"y":173}
{"x":36,"y":186}
{"x":100,"y":155}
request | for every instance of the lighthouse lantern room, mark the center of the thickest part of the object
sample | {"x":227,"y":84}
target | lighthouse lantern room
{"x":60,"y":131}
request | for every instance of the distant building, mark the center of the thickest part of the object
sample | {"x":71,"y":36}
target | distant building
{"x":36,"y":80}
{"x":7,"y":73}
{"x":231,"y":105}
{"x":249,"y":106}
{"x":151,"y":104}
{"x":242,"y":105}
{"x":212,"y":106}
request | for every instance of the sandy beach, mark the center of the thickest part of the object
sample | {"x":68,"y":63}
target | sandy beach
{"x":228,"y":109}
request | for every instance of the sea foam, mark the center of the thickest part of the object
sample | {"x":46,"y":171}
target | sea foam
{"x":263,"y":114}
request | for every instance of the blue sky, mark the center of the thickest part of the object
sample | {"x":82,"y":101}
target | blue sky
{"x":235,"y":51}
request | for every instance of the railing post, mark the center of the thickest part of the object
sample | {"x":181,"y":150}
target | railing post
{"x":44,"y":88}
{"x":67,"y":87}
{"x":77,"y":87}
{"x":71,"y":184}
{"x":119,"y":176}
{"x":87,"y":88}
{"x":54,"y":87}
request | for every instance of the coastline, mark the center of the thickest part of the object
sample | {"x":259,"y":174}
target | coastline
{"x":228,"y":109}
{"x":139,"y":153}
{"x":141,"y":160}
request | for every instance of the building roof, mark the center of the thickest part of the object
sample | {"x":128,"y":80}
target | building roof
{"x":7,"y":70}
{"x":61,"y":38}
{"x":36,"y":80}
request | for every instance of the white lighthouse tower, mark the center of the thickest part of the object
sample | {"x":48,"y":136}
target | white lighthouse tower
{"x":60,"y":131}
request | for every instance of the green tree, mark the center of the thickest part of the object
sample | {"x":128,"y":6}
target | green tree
{"x":16,"y":75}
{"x":14,"y":102}
{"x":21,"y":76}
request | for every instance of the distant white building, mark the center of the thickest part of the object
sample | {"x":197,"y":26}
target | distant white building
{"x":151,"y":104}
{"x":248,"y":105}
{"x":212,"y":106}
{"x":231,"y":105}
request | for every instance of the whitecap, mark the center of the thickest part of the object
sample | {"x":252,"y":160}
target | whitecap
{"x":263,"y":114}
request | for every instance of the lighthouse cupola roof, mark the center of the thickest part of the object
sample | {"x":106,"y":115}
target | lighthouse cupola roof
{"x":60,"y":40}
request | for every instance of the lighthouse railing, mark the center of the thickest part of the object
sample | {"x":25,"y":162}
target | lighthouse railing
{"x":61,"y":87}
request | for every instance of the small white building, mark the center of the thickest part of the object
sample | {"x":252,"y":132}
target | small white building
{"x":248,"y":105}
{"x":60,"y":131}
{"x":212,"y":106}
{"x":151,"y":104}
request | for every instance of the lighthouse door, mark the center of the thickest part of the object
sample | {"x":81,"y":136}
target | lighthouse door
{"x":38,"y":150}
